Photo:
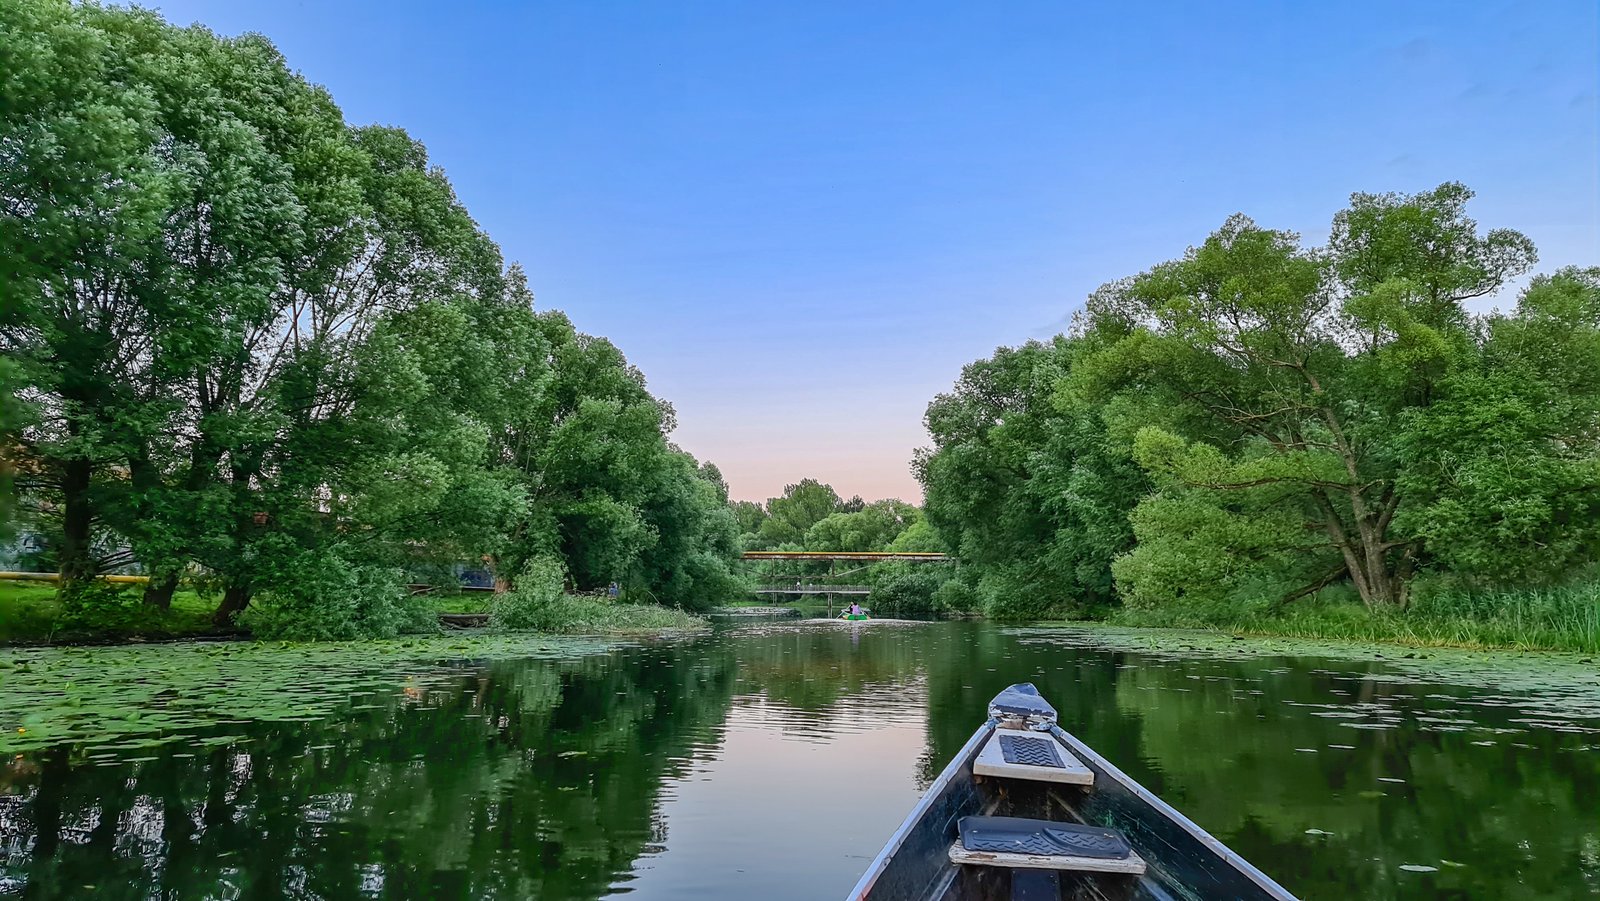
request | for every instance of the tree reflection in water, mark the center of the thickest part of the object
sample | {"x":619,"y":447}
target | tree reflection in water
{"x":557,"y":779}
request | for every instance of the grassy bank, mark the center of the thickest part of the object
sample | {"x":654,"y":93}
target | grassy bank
{"x":463,"y":602}
{"x":1564,"y":618}
{"x":31,"y":614}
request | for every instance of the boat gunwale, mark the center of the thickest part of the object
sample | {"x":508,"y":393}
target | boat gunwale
{"x":949,"y":774}
{"x":1094,"y":760}
{"x":1215,"y":845}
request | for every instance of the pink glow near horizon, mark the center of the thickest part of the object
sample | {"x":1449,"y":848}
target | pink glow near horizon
{"x":759,"y":459}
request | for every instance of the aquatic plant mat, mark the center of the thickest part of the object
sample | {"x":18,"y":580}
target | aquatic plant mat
{"x":119,"y":699}
{"x":1559,"y":691}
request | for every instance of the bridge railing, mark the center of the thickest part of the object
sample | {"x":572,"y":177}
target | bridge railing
{"x":812,"y":588}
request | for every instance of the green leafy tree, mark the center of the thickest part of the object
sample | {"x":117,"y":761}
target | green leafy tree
{"x":691,"y":562}
{"x":803,"y":505}
{"x":1504,"y":466}
{"x":918,"y":538}
{"x":1024,"y":486}
{"x":261,"y":342}
{"x":575,"y":428}
{"x":1266,"y":388}
{"x":749,"y":515}
{"x":872,"y":528}
{"x":126,"y":165}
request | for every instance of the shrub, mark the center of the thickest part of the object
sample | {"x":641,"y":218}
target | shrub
{"x":99,"y":606}
{"x":524,"y":608}
{"x":957,"y":595}
{"x":320,"y":595}
{"x":586,"y":615}
{"x":538,"y":602}
{"x":906,"y":589}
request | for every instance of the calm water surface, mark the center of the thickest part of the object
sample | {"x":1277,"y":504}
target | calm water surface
{"x":773,"y":760}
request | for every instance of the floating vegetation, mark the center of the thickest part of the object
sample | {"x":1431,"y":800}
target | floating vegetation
{"x":130,"y":698}
{"x":1554,"y":691}
{"x":566,"y":742}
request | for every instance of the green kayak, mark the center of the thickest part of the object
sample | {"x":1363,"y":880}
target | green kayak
{"x":854,"y":617}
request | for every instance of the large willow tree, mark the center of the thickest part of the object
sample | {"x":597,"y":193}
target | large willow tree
{"x":262,"y":347}
{"x":1308,"y":414}
{"x":1299,"y":418}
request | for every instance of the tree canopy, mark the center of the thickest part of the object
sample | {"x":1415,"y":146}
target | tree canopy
{"x":1262,"y":420}
{"x":250,"y":342}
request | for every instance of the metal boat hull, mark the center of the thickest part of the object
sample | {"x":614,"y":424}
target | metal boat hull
{"x":1183,"y":860}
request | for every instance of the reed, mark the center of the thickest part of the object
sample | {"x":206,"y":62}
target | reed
{"x":1564,"y":617}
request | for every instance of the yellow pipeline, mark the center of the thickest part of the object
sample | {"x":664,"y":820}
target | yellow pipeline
{"x":848,"y":553}
{"x":56,"y":577}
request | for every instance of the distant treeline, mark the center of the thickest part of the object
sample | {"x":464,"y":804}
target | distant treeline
{"x":1260,"y":422}
{"x":249,"y":343}
{"x":811,"y":516}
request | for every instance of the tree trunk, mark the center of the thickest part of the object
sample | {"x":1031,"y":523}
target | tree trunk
{"x":234,"y":599}
{"x":1378,"y":584}
{"x":158,"y":557}
{"x":1366,"y":555}
{"x":76,"y":556}
{"x":158,"y":591}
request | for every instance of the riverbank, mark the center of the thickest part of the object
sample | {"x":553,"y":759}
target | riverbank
{"x":31,"y":614}
{"x":1552,"y":619}
{"x":1564,"y":618}
{"x":592,"y":616}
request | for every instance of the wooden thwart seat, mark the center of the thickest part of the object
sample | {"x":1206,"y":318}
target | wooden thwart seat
{"x":1132,"y":865}
{"x":1019,"y":754}
{"x":1021,"y":843}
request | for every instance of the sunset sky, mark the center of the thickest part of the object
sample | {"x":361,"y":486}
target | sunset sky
{"x":801,"y":219}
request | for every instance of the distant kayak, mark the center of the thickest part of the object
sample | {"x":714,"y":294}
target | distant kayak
{"x":854,"y":617}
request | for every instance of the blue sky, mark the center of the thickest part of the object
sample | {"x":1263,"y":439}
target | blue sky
{"x":801,"y":219}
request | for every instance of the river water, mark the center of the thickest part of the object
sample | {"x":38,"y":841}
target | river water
{"x":767,"y":760}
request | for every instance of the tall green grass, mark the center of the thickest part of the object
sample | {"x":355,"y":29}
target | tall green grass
{"x":1558,"y":618}
{"x":31,"y":613}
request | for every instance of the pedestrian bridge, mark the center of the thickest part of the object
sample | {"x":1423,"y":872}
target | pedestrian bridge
{"x":794,"y":583}
{"x":798,"y":588}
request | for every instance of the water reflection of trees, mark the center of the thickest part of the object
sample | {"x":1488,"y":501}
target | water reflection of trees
{"x":521,"y":779}
{"x":1520,"y":822}
{"x":813,"y":668}
{"x":1218,"y":740}
{"x":542,"y":779}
